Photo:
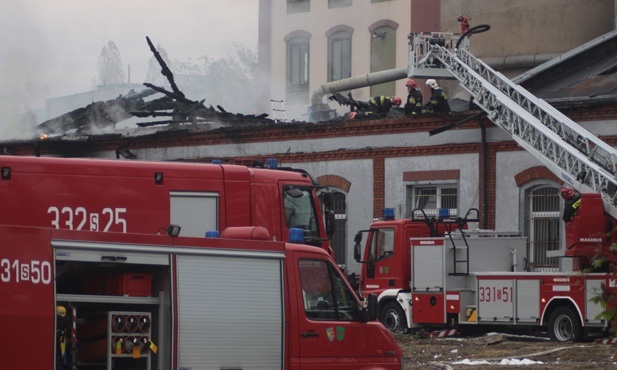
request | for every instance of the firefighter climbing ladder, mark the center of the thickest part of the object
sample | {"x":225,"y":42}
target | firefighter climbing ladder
{"x":572,"y":153}
{"x":278,"y":106}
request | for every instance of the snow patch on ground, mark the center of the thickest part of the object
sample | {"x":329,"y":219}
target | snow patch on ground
{"x":502,"y":362}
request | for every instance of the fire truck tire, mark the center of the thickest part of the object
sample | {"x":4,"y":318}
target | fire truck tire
{"x":564,"y":325}
{"x":392,"y":317}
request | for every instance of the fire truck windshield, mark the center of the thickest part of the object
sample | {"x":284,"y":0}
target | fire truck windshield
{"x":300,"y":211}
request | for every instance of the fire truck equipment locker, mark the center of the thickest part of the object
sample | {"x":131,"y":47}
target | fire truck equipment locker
{"x":236,"y":300}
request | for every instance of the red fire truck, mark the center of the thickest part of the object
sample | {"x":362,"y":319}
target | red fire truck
{"x":432,"y":272}
{"x":92,"y":300}
{"x":145,"y":197}
{"x":428,"y":270}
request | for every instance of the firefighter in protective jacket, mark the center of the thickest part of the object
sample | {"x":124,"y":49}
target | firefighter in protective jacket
{"x":378,"y":106}
{"x":413,"y":105}
{"x":572,"y":202}
{"x":382,"y":104}
{"x":438,"y":101}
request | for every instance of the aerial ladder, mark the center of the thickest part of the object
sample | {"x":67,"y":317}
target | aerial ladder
{"x":571,"y":152}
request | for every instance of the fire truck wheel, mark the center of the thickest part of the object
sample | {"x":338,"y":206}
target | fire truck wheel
{"x":564,"y":325}
{"x":393,"y":317}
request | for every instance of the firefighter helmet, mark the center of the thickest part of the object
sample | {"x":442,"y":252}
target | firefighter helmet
{"x":61,"y":311}
{"x":432,"y":83}
{"x":396,"y":101}
{"x":352,"y":115}
{"x":567,"y":192}
{"x":411,"y":83}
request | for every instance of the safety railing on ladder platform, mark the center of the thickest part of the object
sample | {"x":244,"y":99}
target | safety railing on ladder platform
{"x":571,"y":152}
{"x":278,"y":106}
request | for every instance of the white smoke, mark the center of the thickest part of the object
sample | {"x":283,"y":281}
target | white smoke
{"x":20,"y":66}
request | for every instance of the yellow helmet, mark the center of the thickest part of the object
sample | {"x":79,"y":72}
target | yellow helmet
{"x":61,"y":311}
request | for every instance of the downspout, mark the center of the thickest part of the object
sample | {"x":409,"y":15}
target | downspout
{"x":484,"y":159}
{"x":319,"y":111}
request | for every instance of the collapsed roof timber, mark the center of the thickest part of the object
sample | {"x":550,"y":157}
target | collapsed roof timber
{"x":173,"y":104}
{"x":582,"y":76}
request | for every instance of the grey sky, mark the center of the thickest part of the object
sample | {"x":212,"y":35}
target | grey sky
{"x":51,"y":48}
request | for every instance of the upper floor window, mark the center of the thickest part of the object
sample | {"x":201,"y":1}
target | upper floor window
{"x":339,"y":56}
{"x":298,"y":62}
{"x":298,"y":6}
{"x":339,"y":3}
{"x":298,"y":56}
{"x":383,"y":54}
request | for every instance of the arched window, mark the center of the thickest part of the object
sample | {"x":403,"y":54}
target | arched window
{"x":383,"y":53}
{"x":339,"y":54}
{"x":339,"y":239}
{"x":543,"y":226}
{"x":298,"y":47}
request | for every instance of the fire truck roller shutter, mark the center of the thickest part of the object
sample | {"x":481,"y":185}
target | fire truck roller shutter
{"x":230,"y":312}
{"x":195,"y":212}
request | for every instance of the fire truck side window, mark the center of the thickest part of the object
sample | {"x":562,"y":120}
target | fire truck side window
{"x":300,"y":211}
{"x":382,"y":244}
{"x":325,"y":294}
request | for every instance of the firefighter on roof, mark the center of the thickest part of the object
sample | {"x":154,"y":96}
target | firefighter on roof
{"x":379,"y":106}
{"x":413,"y":105}
{"x":382,"y":104}
{"x":438,"y":101}
{"x":572,"y":202}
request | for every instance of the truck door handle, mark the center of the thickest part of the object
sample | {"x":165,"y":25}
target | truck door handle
{"x":113,"y":258}
{"x":309,"y":334}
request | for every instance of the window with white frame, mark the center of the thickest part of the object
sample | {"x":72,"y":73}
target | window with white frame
{"x":544,"y":226}
{"x":431,"y":198}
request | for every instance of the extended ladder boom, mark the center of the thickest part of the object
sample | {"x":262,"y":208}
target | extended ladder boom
{"x":572,"y":153}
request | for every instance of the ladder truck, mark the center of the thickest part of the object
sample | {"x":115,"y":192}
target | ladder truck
{"x":572,"y":153}
{"x":431,"y":271}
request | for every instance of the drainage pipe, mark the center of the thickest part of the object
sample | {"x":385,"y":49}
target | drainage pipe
{"x":357,"y":82}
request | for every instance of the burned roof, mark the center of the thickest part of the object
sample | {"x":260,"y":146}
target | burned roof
{"x":172,"y":109}
{"x":582,"y":76}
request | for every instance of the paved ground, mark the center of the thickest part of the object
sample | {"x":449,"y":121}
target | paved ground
{"x":494,"y":351}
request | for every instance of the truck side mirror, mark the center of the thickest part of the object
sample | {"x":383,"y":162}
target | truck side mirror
{"x":373,"y":307}
{"x":328,"y":199}
{"x":357,"y":248}
{"x":330,"y":223}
